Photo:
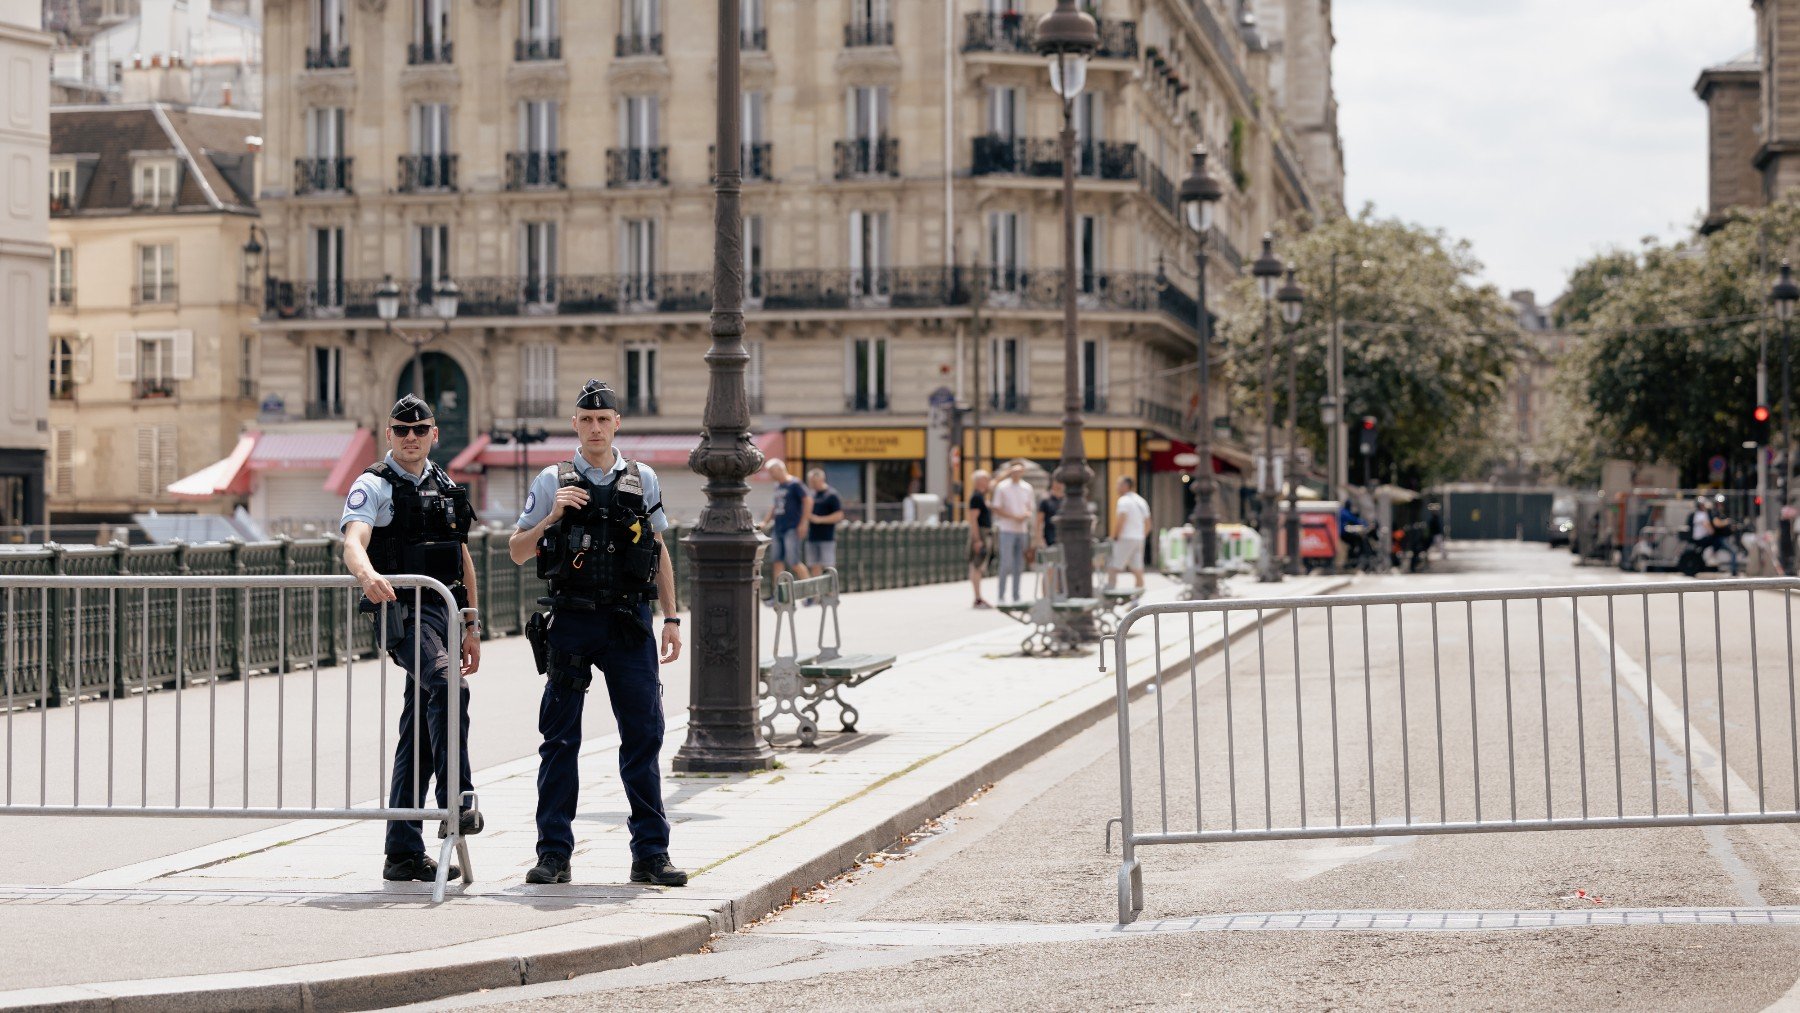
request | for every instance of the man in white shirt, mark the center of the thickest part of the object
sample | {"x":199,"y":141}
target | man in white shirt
{"x":1130,"y":526}
{"x":1013,"y":504}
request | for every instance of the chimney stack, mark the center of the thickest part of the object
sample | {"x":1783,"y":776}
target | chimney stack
{"x":160,"y":79}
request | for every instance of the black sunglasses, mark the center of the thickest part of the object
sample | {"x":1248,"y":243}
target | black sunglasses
{"x":422,"y":429}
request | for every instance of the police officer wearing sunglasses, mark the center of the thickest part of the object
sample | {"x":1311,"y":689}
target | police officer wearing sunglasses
{"x":404,"y":516}
{"x":595,"y":525}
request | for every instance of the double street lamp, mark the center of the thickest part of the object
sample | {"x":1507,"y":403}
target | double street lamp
{"x":1783,"y":295}
{"x":1293,"y":305}
{"x":1267,"y":270}
{"x":1200,"y":195}
{"x":443,"y":297}
{"x":1066,"y":37}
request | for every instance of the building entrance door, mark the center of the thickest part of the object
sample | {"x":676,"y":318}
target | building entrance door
{"x":447,"y":391}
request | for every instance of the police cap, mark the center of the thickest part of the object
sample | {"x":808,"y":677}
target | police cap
{"x":596,"y":395}
{"x":411,"y":408}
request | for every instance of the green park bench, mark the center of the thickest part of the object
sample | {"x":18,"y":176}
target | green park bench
{"x":797,"y":684}
{"x":1051,"y":613}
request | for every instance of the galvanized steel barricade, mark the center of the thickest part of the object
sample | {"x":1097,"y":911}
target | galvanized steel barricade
{"x":1383,"y":715}
{"x":144,"y":756}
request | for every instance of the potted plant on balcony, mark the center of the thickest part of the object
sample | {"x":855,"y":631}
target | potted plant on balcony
{"x":1010,"y":19}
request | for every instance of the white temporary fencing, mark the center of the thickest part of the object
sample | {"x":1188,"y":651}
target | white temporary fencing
{"x":1382,"y":715}
{"x":196,"y":743}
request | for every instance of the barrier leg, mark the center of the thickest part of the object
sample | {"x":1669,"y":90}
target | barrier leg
{"x":1131,"y":891}
{"x":451,"y":843}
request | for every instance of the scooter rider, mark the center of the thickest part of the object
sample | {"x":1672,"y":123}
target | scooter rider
{"x":595,"y":524}
{"x":404,"y":516}
{"x":1711,"y":533}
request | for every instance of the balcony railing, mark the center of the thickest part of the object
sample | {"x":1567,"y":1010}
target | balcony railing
{"x":868,"y":156}
{"x":61,"y":204}
{"x":640,"y":405}
{"x":145,"y":389}
{"x":420,"y":53}
{"x":62,"y":295}
{"x":866,"y":401}
{"x":637,"y":166}
{"x":1016,"y":33}
{"x":527,"y":50}
{"x":758,"y":160}
{"x":247,"y":388}
{"x":1093,"y":402}
{"x":638,"y":44}
{"x":754,"y":40}
{"x":326,"y":57}
{"x":150,"y":295}
{"x":1009,"y":402}
{"x":321,"y":175}
{"x":530,"y":169}
{"x":839,"y":289}
{"x":993,"y":155}
{"x":868,"y":33}
{"x":427,"y":172}
{"x":1160,"y":414}
{"x":538,"y":408}
{"x":1158,"y":186}
{"x":324,"y":409}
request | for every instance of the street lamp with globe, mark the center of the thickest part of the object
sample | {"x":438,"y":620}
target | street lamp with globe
{"x":1267,"y":270}
{"x":1783,"y":295}
{"x":1293,"y":306}
{"x":445,"y":299}
{"x":1200,"y":195}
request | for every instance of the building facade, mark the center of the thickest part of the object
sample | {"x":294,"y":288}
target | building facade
{"x":903,"y":236}
{"x":153,"y":304}
{"x":24,"y":263}
{"x":98,"y":40}
{"x":1753,"y":116}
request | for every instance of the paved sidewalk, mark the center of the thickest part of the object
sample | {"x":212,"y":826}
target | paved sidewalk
{"x":296,"y":916}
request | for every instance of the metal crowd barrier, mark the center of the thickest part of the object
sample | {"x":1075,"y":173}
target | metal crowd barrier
{"x":168,"y":713}
{"x":1389,"y":715}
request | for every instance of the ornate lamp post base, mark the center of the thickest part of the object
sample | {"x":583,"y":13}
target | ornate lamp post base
{"x":724,"y":735}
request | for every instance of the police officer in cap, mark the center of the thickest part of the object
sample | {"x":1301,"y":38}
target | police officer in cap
{"x":595,"y":524}
{"x":404,"y":516}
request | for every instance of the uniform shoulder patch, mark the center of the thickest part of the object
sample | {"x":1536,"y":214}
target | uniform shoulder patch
{"x":358,"y":499}
{"x":530,"y":502}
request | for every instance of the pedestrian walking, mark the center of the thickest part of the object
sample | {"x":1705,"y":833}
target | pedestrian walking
{"x":981,"y":533}
{"x":1047,"y":509}
{"x":1130,"y":527}
{"x":1012,"y":510}
{"x":595,"y":524}
{"x":788,"y":521}
{"x":827,"y":512}
{"x":403,"y":515}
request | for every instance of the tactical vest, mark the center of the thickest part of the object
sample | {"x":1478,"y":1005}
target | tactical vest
{"x":606,"y":553}
{"x":430,"y":527}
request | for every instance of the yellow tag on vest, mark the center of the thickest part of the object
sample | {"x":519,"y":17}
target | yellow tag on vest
{"x":637,"y":532}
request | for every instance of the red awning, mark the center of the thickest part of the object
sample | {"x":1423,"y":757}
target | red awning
{"x":459,"y":465}
{"x":1169,"y":461}
{"x":358,"y":455}
{"x":225,"y":477}
{"x":658,"y":451}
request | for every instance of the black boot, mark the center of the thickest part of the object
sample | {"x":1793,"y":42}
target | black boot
{"x":471,"y":821}
{"x":551,"y":868}
{"x":414,"y":869}
{"x":658,"y":871}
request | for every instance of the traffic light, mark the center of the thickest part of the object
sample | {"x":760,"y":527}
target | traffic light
{"x":1759,"y":425}
{"x":1366,"y":437}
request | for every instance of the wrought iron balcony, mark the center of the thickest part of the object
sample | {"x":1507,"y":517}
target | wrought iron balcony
{"x":866,"y":401}
{"x":637,"y":166}
{"x":1093,"y":402}
{"x":530,"y":169}
{"x":321,"y":175}
{"x":868,"y":33}
{"x":62,"y":295}
{"x":420,"y":53}
{"x":538,"y":408}
{"x":1015,"y":32}
{"x":324,"y":409}
{"x":1160,"y":414}
{"x":162,"y":293}
{"x":149,"y":388}
{"x":994,"y":155}
{"x":1158,"y":186}
{"x":868,"y":156}
{"x":758,"y":160}
{"x":638,"y":44}
{"x":1009,"y":401}
{"x":641,"y":405}
{"x":754,"y":40}
{"x":61,"y":204}
{"x":527,"y":50}
{"x":326,"y":57}
{"x":427,"y":172}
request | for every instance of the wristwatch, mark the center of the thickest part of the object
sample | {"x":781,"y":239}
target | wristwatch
{"x":672,"y":619}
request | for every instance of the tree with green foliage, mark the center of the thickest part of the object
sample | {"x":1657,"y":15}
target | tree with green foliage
{"x":1427,"y":350}
{"x":1665,"y":361}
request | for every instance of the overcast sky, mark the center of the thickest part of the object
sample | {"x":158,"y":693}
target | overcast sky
{"x":1540,"y":130}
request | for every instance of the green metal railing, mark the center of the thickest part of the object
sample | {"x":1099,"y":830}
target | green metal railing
{"x":109,"y":641}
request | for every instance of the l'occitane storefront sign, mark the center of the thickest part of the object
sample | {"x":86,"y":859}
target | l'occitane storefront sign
{"x":1044,"y":444}
{"x":865,"y":444}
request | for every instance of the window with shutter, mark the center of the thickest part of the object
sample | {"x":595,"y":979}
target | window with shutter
{"x":125,"y":357}
{"x":753,"y":375}
{"x":146,"y":460}
{"x":62,"y":460}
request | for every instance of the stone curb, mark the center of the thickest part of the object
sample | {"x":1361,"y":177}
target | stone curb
{"x":660,"y":927}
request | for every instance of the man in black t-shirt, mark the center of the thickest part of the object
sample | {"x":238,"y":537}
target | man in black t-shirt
{"x":1046,"y":514}
{"x":827,"y":512}
{"x":981,"y":534}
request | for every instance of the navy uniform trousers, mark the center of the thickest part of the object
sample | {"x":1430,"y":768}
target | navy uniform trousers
{"x":432,"y":684}
{"x":626,"y":656}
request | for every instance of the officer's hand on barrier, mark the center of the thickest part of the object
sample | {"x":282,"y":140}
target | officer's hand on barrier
{"x":471,"y":653}
{"x":566,"y":497}
{"x":377,"y":589}
{"x":671,"y":642}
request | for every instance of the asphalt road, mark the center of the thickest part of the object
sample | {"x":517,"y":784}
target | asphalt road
{"x":1009,"y":901}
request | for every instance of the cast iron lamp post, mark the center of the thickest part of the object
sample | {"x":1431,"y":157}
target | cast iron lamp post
{"x":1267,"y":271}
{"x":1200,"y":195}
{"x":1066,"y":37}
{"x":1293,"y":304}
{"x":1783,"y":295}
{"x":445,"y":297}
{"x":253,"y":258}
{"x":725,"y":549}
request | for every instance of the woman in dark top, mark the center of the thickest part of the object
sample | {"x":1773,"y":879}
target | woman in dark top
{"x":981,"y":534}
